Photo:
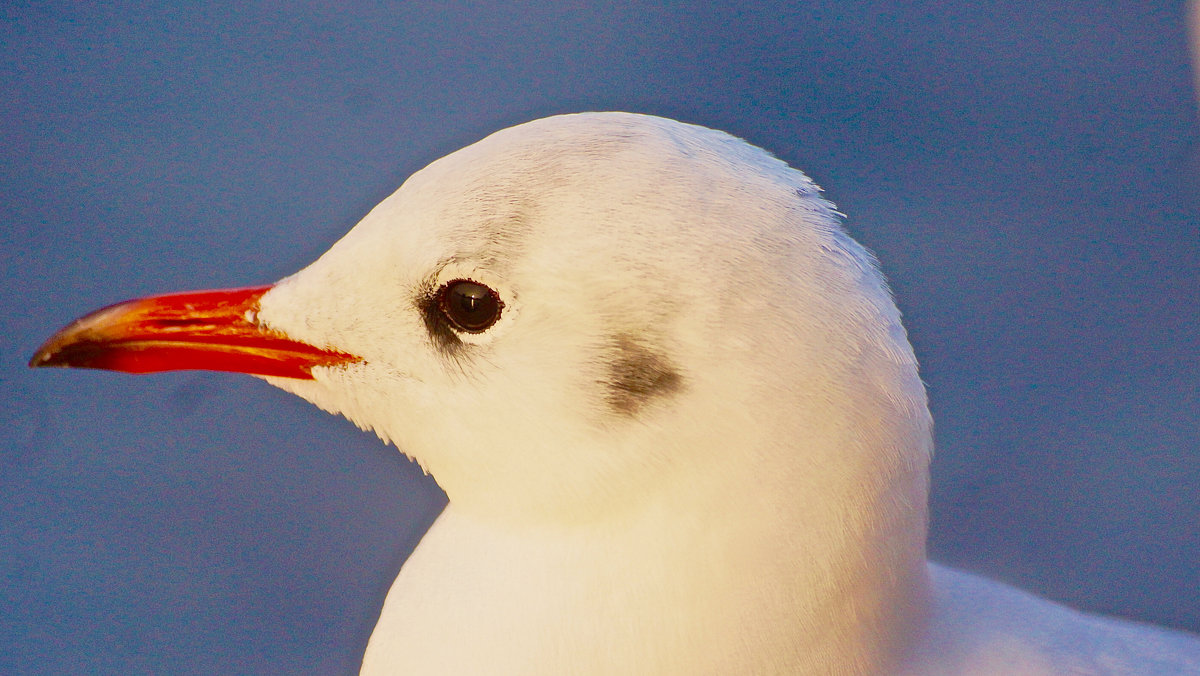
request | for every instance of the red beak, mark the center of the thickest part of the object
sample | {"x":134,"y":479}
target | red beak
{"x":206,"y":330}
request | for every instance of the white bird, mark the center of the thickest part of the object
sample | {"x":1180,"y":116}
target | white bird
{"x":672,"y":405}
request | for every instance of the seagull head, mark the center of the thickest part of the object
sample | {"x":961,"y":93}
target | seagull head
{"x":571,"y":310}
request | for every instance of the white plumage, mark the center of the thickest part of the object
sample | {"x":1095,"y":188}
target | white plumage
{"x":696,"y":443}
{"x":693,"y":442}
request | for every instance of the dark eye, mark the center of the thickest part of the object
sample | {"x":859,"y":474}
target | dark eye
{"x":469,"y":306}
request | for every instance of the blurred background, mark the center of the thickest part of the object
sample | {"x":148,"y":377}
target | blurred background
{"x":1027,"y":173}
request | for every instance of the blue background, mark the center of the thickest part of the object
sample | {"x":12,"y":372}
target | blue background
{"x":1026,"y":171}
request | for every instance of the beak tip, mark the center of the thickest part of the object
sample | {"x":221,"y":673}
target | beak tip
{"x":53,"y":354}
{"x":43,"y":357}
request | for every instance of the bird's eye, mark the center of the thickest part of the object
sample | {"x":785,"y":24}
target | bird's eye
{"x":469,"y":306}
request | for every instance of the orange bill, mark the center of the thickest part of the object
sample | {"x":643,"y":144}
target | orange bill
{"x":195,"y":330}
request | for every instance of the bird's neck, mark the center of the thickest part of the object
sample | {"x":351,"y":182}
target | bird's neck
{"x":724,"y":570}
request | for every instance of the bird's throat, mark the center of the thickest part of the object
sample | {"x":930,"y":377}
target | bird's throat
{"x":664,"y":593}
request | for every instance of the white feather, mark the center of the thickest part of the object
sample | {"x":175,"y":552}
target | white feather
{"x":696,"y":441}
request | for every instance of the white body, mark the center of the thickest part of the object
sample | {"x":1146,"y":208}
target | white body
{"x":696,"y":441}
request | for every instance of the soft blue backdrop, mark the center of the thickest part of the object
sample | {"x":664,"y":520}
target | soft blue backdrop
{"x":1026,"y":171}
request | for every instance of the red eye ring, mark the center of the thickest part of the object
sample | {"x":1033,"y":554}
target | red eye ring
{"x":469,"y":306}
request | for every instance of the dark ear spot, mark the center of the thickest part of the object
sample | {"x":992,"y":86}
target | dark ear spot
{"x":637,"y":374}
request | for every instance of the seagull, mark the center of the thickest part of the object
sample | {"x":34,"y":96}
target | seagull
{"x":672,"y":405}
